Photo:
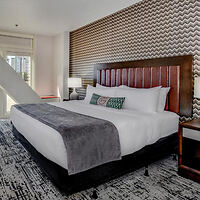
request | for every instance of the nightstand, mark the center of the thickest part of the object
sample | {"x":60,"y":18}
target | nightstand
{"x":189,"y":150}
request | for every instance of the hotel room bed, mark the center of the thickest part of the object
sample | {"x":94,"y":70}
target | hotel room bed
{"x":144,"y":137}
{"x":136,"y":129}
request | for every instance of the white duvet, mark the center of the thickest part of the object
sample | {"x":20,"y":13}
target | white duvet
{"x":136,"y":129}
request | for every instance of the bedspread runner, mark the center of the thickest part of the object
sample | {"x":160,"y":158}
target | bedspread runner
{"x":89,"y":141}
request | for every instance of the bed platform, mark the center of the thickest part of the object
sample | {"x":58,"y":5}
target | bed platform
{"x":101,"y":174}
{"x":173,"y":72}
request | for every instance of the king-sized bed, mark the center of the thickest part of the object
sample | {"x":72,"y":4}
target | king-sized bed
{"x":136,"y":129}
{"x":143,"y":136}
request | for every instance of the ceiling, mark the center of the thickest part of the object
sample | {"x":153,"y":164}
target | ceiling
{"x":50,"y":17}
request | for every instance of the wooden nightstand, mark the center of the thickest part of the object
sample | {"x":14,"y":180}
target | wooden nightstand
{"x":189,"y":150}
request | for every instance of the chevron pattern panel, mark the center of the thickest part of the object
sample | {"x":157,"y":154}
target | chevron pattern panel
{"x":148,"y":29}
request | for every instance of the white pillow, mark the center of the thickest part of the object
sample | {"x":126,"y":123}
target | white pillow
{"x":105,"y":87}
{"x":145,"y":100}
{"x":162,"y":98}
{"x":127,"y":87}
{"x":161,"y":102}
{"x":110,"y":92}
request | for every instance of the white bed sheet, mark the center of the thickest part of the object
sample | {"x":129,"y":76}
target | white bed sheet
{"x":136,"y":129}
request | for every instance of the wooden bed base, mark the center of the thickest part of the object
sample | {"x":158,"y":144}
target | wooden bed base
{"x":101,"y":174}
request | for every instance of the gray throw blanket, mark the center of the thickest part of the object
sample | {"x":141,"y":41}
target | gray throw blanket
{"x":89,"y":141}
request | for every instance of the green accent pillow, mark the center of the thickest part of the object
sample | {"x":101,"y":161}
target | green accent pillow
{"x":112,"y":102}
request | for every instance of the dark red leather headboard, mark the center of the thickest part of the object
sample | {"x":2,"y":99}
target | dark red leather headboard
{"x":175,"y":72}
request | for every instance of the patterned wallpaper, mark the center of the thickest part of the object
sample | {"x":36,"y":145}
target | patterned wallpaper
{"x":148,"y":29}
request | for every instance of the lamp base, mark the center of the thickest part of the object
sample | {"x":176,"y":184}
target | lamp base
{"x":74,"y":95}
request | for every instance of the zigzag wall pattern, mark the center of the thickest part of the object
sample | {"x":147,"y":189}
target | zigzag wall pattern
{"x":148,"y":29}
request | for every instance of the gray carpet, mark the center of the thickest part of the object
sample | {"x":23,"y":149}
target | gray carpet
{"x":22,"y":179}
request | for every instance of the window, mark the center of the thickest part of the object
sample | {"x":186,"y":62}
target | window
{"x":17,"y":50}
{"x":22,"y":65}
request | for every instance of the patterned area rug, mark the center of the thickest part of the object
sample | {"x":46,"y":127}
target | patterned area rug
{"x":22,"y":179}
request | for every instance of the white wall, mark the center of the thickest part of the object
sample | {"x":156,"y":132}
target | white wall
{"x":51,"y":64}
{"x":61,"y":63}
{"x":43,"y":70}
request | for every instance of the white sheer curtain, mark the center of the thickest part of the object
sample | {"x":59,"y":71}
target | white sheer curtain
{"x":3,"y":99}
{"x":3,"y":103}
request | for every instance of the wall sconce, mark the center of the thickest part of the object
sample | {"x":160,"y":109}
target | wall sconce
{"x":197,"y":87}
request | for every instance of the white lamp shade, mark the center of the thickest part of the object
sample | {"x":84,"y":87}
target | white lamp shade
{"x":74,"y":82}
{"x":197,"y":87}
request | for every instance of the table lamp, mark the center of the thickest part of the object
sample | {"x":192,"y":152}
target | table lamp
{"x":74,"y":83}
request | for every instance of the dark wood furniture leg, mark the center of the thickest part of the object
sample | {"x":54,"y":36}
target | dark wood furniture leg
{"x":146,"y":172}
